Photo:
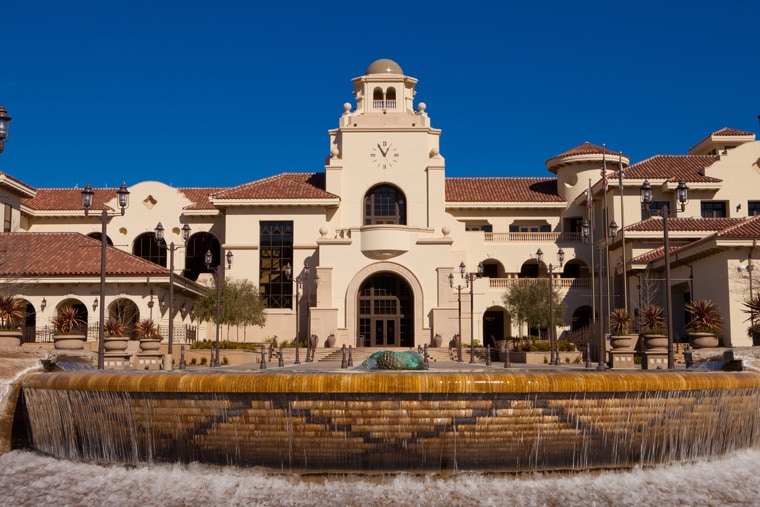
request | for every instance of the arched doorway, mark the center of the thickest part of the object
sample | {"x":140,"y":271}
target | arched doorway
{"x":127,"y":312}
{"x":581,"y":318}
{"x":386,"y":312}
{"x":493,"y":326}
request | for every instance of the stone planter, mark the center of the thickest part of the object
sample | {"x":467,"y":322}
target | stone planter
{"x":69,"y":341}
{"x":115,"y":343}
{"x":654,"y":342}
{"x":150,"y":344}
{"x":330,"y":341}
{"x":703,"y":340}
{"x":622,"y":342}
{"x":437,"y":340}
{"x":10,"y":339}
{"x":755,"y":338}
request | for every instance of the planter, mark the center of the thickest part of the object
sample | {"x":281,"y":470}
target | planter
{"x":654,"y":342}
{"x":703,"y":340}
{"x":150,"y":344}
{"x":437,"y":340}
{"x":623,"y":342}
{"x":330,"y":342}
{"x":10,"y":339}
{"x":69,"y":341}
{"x":115,"y":343}
{"x":755,"y":338}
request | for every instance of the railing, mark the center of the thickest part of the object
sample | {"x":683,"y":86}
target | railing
{"x":560,"y":283}
{"x":535,"y":237}
{"x":182,"y":334}
{"x":384,"y":104}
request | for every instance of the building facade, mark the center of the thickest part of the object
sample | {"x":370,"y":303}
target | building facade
{"x":379,"y":248}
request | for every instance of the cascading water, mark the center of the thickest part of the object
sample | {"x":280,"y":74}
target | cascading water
{"x":379,"y":421}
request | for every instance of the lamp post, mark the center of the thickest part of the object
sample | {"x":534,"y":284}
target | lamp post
{"x":587,"y":231}
{"x":123,"y":200}
{"x":646,"y":198}
{"x":553,"y":356}
{"x":612,"y":230}
{"x":471,"y":277}
{"x":459,"y":288}
{"x":208,"y":259}
{"x":5,"y":127}
{"x":159,"y":235}
{"x":300,"y":280}
{"x":307,"y":288}
{"x":750,"y":267}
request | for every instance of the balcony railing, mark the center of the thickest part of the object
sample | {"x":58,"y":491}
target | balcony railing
{"x":384,"y":104}
{"x":560,"y":283}
{"x":534,"y":237}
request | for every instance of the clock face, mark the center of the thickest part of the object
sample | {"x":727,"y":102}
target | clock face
{"x":384,"y":154}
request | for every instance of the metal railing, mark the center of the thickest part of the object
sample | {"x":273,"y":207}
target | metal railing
{"x":560,"y":283}
{"x":535,"y":237}
{"x":182,"y":334}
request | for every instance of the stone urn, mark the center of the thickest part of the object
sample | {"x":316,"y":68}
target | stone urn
{"x":437,"y":340}
{"x":703,"y":340}
{"x":622,"y":342}
{"x":69,"y":341}
{"x":10,"y":339}
{"x":654,"y":342}
{"x":150,"y":344}
{"x":115,"y":343}
{"x":330,"y":341}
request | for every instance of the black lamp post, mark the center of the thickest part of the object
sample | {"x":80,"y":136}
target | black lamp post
{"x":587,"y":231}
{"x":471,"y":277}
{"x":683,"y":196}
{"x":159,"y":235}
{"x":553,"y":344}
{"x":300,"y":280}
{"x":5,"y":127}
{"x":459,"y":288}
{"x":218,"y":278}
{"x":123,"y":201}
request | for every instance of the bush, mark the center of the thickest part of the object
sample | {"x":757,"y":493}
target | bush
{"x":203,"y":361}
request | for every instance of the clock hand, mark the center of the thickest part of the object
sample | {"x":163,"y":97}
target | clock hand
{"x":383,"y":153}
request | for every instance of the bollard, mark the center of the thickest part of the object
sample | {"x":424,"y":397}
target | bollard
{"x":506,"y":355}
{"x":182,"y":357}
{"x":488,"y":355}
{"x":350,"y":357}
{"x":280,"y":360}
{"x":426,"y":357}
{"x":271,"y":351}
{"x":343,"y":362}
{"x":263,"y":365}
{"x":588,"y":354}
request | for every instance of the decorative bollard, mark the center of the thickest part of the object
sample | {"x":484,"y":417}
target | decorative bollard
{"x":350,"y":357}
{"x":182,"y":363}
{"x":488,"y":355}
{"x":343,"y":362}
{"x":425,"y":356}
{"x":263,"y":365}
{"x":280,"y":360}
{"x":271,"y":351}
{"x":506,"y":355}
{"x":588,"y":355}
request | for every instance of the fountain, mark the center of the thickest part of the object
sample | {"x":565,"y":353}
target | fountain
{"x":358,"y":420}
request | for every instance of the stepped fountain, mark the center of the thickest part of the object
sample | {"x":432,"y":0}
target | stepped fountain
{"x":487,"y":419}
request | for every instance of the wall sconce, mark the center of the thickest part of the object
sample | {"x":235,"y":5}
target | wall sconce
{"x":150,"y":304}
{"x":95,"y":304}
{"x":43,"y":304}
{"x":162,"y":303}
{"x":182,"y":307}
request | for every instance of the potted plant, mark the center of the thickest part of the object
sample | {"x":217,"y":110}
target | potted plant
{"x":752,"y":307}
{"x":116,"y":338}
{"x":12,"y":313}
{"x":67,"y":329}
{"x":704,"y":327}
{"x":654,"y":337}
{"x":620,"y":327}
{"x":147,"y":330}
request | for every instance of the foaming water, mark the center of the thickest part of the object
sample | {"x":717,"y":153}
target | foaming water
{"x":31,"y":479}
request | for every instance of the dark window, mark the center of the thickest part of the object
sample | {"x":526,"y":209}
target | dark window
{"x":478,"y":227}
{"x":384,"y":204}
{"x":713,"y":209}
{"x":574,"y":224}
{"x":147,"y":248}
{"x":654,"y":209}
{"x":276,"y":250}
{"x":195,"y":254}
{"x":753,"y":208}
{"x":7,"y":214}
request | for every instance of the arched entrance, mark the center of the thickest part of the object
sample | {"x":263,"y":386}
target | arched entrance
{"x":581,"y":318}
{"x":493,"y":326}
{"x":386,"y":312}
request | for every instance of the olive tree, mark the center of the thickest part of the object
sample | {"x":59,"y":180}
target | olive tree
{"x":527,"y":301}
{"x":239,"y":305}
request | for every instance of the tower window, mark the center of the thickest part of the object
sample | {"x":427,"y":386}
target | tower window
{"x":384,"y":204}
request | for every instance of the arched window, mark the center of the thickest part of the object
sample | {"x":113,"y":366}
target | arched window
{"x":195,"y":256}
{"x":145,"y":246}
{"x":378,"y":101}
{"x":384,"y":204}
{"x":390,"y":98}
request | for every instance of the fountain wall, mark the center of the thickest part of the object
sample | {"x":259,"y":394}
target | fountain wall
{"x":394,"y":421}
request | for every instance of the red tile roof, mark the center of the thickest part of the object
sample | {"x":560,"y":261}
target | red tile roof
{"x":690,"y":168}
{"x":66,"y":254}
{"x":286,"y":186}
{"x":68,"y":199}
{"x":749,"y":228}
{"x":725,"y":132}
{"x":585,"y":149}
{"x":651,"y":255}
{"x":654,"y":224}
{"x":200,"y":197}
{"x":502,"y":190}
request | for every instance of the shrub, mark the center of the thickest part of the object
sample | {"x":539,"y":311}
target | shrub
{"x":67,"y":321}
{"x":705,"y":317}
{"x":12,"y":312}
{"x":651,"y":320}
{"x":620,"y":322}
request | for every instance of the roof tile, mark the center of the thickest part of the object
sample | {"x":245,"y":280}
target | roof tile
{"x":690,"y":168}
{"x":502,"y":190}
{"x":284,"y":186}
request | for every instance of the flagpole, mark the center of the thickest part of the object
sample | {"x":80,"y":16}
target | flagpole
{"x":605,"y":214}
{"x":590,"y":210}
{"x":621,"y":175}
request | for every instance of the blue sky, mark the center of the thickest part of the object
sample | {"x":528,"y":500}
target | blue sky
{"x":221,"y":93}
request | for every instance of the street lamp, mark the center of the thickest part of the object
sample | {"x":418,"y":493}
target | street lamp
{"x":123,"y":200}
{"x":459,"y":288}
{"x":683,"y":196}
{"x":208,"y":259}
{"x":587,"y":232}
{"x":471,"y":279}
{"x":5,"y":127}
{"x":300,"y":281}
{"x":553,"y":344}
{"x":159,"y":235}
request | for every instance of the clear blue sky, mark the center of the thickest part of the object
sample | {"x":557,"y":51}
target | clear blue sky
{"x":224,"y":92}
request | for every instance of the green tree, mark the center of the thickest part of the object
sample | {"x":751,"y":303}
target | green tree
{"x":527,"y":301}
{"x":239,"y":305}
